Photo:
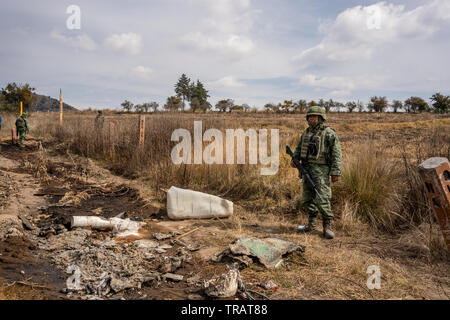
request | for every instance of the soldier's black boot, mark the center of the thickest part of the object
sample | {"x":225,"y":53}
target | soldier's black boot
{"x":311,"y":226}
{"x":327,"y":232}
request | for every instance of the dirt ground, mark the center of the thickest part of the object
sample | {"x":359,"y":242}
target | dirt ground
{"x":41,"y":188}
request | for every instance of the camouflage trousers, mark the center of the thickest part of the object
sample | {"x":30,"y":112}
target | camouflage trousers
{"x":311,"y":203}
{"x":22,"y":134}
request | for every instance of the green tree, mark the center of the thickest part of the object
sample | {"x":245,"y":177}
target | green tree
{"x":236,"y":108}
{"x":145,"y":106}
{"x":183,"y":88}
{"x":224,"y":105}
{"x":198,"y":91}
{"x":441,"y":103}
{"x":351,"y":105}
{"x":360,"y":106}
{"x":13,"y":93}
{"x":378,"y":104}
{"x":286,"y":106}
{"x":173,"y":104}
{"x":195,"y":104}
{"x":397,"y":105}
{"x":322,"y":104}
{"x":270,"y":107}
{"x":139,"y":108}
{"x":154,"y":106}
{"x":246,"y":107}
{"x":329,"y":105}
{"x":416,"y":104}
{"x":300,"y":106}
{"x":206,"y":106}
{"x":127,"y":105}
{"x":338,"y":106}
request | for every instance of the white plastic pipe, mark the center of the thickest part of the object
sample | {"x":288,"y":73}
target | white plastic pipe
{"x":120,"y":227}
{"x":93,"y":222}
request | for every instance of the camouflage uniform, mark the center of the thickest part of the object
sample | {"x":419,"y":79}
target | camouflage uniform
{"x":22,"y":128}
{"x":99,"y":120}
{"x":323,"y":157}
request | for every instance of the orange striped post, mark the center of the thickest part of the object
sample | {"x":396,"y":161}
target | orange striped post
{"x":141,"y":130}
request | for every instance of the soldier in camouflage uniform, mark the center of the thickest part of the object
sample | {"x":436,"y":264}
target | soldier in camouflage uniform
{"x":320,"y":151}
{"x":22,"y":128}
{"x":99,"y":120}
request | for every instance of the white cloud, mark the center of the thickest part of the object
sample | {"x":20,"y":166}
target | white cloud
{"x":225,"y":82}
{"x":342,"y":85}
{"x":226,"y":28}
{"x":83,"y":42}
{"x":129,"y":43}
{"x":357,"y":32}
{"x":229,"y":44}
{"x":142,"y":72}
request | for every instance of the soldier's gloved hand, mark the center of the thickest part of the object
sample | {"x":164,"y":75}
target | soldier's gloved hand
{"x":334,"y":178}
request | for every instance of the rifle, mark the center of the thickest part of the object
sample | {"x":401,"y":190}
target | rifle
{"x":302,"y":171}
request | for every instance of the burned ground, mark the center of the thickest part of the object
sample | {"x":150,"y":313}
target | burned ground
{"x":46,"y":185}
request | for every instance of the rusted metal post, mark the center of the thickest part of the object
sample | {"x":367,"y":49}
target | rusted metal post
{"x":141,"y":130}
{"x":13,"y":135}
{"x":435,"y":173}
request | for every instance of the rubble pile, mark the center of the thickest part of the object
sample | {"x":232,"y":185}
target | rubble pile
{"x":107,"y":267}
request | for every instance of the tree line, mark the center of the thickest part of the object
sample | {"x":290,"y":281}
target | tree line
{"x":13,"y":93}
{"x":439,"y":104}
{"x":196,"y":95}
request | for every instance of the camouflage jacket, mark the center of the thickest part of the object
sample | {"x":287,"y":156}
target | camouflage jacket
{"x":327,"y":145}
{"x":22,"y":124}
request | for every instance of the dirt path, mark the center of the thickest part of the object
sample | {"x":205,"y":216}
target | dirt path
{"x":41,"y":190}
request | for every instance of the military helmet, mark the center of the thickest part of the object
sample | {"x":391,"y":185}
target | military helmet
{"x":24,"y":114}
{"x":316,"y":110}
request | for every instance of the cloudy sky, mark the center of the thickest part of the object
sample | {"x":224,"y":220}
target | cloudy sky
{"x":253,"y":51}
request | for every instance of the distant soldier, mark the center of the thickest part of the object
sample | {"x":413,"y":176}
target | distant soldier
{"x":99,"y":120}
{"x":320,"y":153}
{"x":22,"y":128}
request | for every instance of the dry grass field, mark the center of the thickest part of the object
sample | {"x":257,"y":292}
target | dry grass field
{"x":382,"y":215}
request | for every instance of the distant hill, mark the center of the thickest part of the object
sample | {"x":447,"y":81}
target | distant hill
{"x":47,"y":103}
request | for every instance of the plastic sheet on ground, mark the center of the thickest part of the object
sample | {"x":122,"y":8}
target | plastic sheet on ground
{"x":268,"y":251}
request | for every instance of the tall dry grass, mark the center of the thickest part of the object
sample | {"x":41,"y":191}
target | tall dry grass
{"x":371,"y":183}
{"x":120,"y":151}
{"x":380,"y":184}
{"x":8,"y":122}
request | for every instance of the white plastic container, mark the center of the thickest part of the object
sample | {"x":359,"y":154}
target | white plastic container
{"x":188,"y":204}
